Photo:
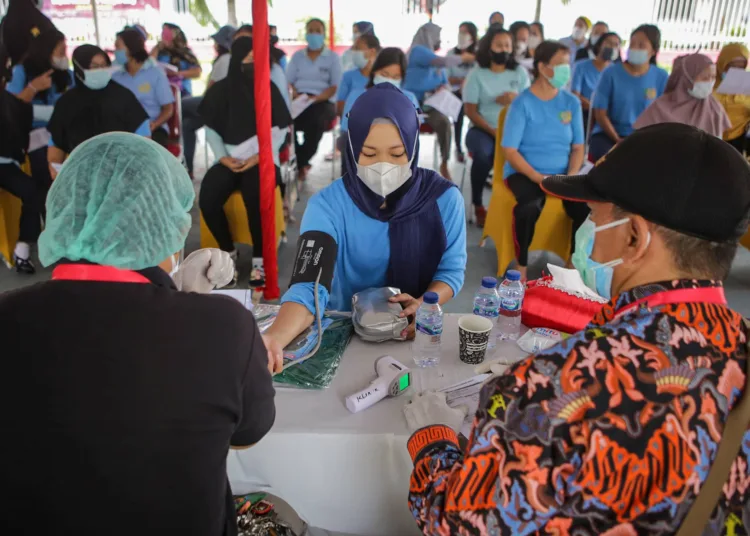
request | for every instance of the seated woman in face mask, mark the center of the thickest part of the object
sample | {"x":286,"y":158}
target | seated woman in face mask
{"x":688,"y":98}
{"x":388,"y":222}
{"x":737,"y":106}
{"x":228,"y":110}
{"x":95,"y":106}
{"x":426,"y":73}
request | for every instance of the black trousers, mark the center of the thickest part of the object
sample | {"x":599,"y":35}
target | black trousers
{"x":26,"y":189}
{"x":41,"y":175}
{"x":599,"y":145}
{"x":530,"y":200}
{"x":314,"y":122}
{"x":218,"y":184}
{"x":739,"y":143}
{"x":191,"y":122}
{"x":160,"y":136}
{"x":459,"y":125}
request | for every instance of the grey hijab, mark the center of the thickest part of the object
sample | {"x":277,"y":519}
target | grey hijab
{"x":428,"y":35}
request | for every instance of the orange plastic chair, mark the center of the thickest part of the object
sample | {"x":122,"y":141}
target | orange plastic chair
{"x":10,"y":217}
{"x":553,"y":232}
{"x":745,"y":240}
{"x":238,"y":224}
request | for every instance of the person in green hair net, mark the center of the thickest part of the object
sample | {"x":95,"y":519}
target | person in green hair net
{"x":123,"y":388}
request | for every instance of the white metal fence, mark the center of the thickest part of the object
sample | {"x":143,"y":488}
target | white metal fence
{"x":701,"y":24}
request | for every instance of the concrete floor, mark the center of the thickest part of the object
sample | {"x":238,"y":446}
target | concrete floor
{"x":482,"y":260}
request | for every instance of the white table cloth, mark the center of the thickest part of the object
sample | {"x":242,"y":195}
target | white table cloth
{"x":348,"y":472}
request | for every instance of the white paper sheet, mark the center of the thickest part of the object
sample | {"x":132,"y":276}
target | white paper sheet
{"x":571,"y":280}
{"x":245,"y":297}
{"x":466,"y":393}
{"x":246,"y":149}
{"x":38,"y":138}
{"x":586,"y":167}
{"x":168,"y":67}
{"x":737,"y":82}
{"x":446,"y":103}
{"x":300,"y":104}
{"x":55,"y":166}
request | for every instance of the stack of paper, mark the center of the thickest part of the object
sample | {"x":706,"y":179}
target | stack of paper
{"x":446,"y":103}
{"x":300,"y":104}
{"x":737,"y":82}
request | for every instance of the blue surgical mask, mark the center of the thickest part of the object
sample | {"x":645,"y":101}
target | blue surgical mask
{"x":595,"y":275}
{"x":638,"y":56}
{"x":314,"y":41}
{"x":358,"y":59}
{"x":121,"y":56}
{"x":380,"y":79}
{"x":97,"y":78}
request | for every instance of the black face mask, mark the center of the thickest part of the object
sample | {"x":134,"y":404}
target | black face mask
{"x":248,"y":69}
{"x":274,"y":40}
{"x":500,"y":58}
{"x":607,"y":53}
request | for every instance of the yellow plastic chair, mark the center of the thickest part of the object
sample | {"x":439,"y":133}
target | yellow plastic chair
{"x":553,"y":231}
{"x":238,"y":224}
{"x":10,"y":218}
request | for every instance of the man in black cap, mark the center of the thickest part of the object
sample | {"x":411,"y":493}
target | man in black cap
{"x":614,"y":430}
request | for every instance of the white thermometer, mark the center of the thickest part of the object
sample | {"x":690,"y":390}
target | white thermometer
{"x":393,"y":379}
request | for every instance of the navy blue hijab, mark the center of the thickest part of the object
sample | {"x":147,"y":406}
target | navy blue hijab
{"x":415,"y":226}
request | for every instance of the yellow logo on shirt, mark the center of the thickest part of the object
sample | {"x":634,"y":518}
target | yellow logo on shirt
{"x":144,"y":88}
{"x":35,"y":31}
{"x":566,"y":117}
{"x":731,"y":523}
{"x":498,"y":402}
{"x":651,"y":93}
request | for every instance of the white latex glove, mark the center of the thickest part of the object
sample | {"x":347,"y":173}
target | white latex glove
{"x":205,"y":270}
{"x":430,"y":408}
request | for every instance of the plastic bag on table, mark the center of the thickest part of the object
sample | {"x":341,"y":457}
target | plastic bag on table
{"x":375,"y":318}
{"x":318,"y":371}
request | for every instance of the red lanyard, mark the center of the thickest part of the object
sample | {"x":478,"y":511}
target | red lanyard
{"x":713,"y":295}
{"x":94,"y":272}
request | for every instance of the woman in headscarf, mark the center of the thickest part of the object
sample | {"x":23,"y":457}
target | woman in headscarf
{"x":146,"y":81}
{"x":388,"y":222}
{"x":94,"y":106}
{"x":228,"y":110}
{"x":174,"y":50}
{"x":358,"y":30}
{"x":15,"y":118}
{"x":688,"y":98}
{"x":734,"y":56}
{"x":426,"y":74}
{"x":22,"y":23}
{"x":41,"y":79}
{"x":117,"y":360}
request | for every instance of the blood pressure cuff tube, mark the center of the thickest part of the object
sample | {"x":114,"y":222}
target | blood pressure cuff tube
{"x":316,"y":251}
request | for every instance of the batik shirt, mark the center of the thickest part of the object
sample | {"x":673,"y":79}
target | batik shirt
{"x":611,"y":432}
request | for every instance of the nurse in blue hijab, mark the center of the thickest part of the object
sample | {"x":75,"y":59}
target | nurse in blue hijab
{"x":387,"y":222}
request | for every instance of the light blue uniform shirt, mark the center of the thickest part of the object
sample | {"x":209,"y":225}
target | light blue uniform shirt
{"x":364,"y":249}
{"x":185,"y":83}
{"x":573,"y":46}
{"x":351,"y":81}
{"x":483,"y":86}
{"x":459,"y":71}
{"x":278,"y":77}
{"x":421,"y":76}
{"x":354,"y":95}
{"x":625,"y":96}
{"x":314,"y":77}
{"x":585,"y":78}
{"x":150,"y":86}
{"x":19,"y":83}
{"x":543,"y":131}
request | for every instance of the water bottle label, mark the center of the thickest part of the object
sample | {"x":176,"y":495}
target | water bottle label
{"x":510,"y":304}
{"x":433,"y":332}
{"x":487,"y":312}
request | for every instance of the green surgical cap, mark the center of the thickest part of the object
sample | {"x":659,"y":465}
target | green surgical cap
{"x":120,"y":200}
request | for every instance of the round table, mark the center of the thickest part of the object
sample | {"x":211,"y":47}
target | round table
{"x":347,"y":472}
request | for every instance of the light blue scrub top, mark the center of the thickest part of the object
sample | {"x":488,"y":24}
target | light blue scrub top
{"x":364,"y":249}
{"x":625,"y":96}
{"x":483,"y":86}
{"x":314,"y":77}
{"x":150,"y":86}
{"x":543,"y":131}
{"x":19,"y":83}
{"x":421,"y":76}
{"x":585,"y":78}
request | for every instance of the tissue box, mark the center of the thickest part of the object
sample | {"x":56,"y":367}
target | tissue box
{"x":546,"y":305}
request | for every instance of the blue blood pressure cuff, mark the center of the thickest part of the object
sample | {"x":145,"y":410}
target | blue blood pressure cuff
{"x":316,"y":251}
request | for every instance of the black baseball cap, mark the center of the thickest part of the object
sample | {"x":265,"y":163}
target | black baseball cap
{"x":674,"y":175}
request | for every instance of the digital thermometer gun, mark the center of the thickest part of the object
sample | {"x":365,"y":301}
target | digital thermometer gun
{"x":393,"y":379}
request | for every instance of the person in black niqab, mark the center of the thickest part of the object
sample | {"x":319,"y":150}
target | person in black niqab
{"x":228,"y":110}
{"x":22,"y":23}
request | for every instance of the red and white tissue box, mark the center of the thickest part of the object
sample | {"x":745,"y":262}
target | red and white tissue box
{"x":547,"y":305}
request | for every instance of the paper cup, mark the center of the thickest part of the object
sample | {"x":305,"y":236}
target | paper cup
{"x":473,"y":336}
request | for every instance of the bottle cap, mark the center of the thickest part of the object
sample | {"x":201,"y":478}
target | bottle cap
{"x":489,"y":282}
{"x":513,"y":275}
{"x":431,"y":298}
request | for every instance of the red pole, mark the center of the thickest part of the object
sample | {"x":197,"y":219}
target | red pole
{"x":331,"y":30}
{"x":261,"y":53}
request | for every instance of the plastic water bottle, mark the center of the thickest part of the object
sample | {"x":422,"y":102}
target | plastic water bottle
{"x":429,"y":333}
{"x":511,"y":299}
{"x":487,"y":304}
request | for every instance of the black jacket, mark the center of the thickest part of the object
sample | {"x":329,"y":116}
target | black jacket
{"x":118,"y":404}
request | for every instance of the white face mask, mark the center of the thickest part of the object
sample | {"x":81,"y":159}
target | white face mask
{"x":594,"y":39}
{"x":464,"y":41}
{"x":701,"y":90}
{"x":521,"y":47}
{"x":534,"y":41}
{"x":579,"y":33}
{"x":62,"y":63}
{"x":384,"y":178}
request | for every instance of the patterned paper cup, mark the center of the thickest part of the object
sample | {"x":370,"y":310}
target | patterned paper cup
{"x":473,"y":336}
